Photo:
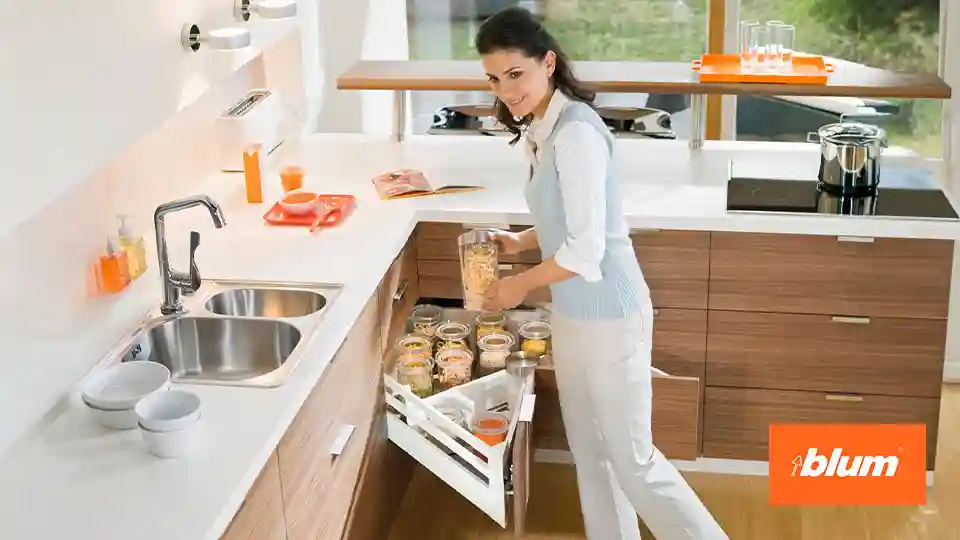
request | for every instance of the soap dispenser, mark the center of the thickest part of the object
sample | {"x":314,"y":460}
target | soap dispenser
{"x":133,"y":247}
{"x":113,"y":272}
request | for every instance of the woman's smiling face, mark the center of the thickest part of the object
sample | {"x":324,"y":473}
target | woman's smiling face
{"x":521,"y":82}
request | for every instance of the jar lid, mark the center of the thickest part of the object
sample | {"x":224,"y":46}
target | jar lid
{"x":414,"y":343}
{"x":491,"y":423}
{"x":535,"y":329}
{"x":426,"y":313}
{"x":452,"y":330}
{"x":455,"y":356}
{"x":851,"y":133}
{"x":496,"y":340}
{"x":491,"y":318}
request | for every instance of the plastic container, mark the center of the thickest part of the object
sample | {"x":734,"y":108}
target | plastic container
{"x":113,"y":269}
{"x":491,"y":427}
{"x":132,"y":245}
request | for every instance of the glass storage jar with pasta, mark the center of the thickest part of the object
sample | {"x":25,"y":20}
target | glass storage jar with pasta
{"x":454,"y":367}
{"x":479,"y":265}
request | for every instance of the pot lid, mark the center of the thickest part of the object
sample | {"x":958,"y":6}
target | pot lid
{"x":850,"y":133}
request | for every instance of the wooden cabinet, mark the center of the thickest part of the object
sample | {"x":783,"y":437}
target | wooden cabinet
{"x":676,"y":266}
{"x":438,"y":242}
{"x":260,"y":517}
{"x":321,"y":453}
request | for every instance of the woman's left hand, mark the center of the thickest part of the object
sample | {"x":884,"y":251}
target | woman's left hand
{"x":506,"y":293}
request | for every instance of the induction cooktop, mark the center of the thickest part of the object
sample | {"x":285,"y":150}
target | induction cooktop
{"x":746,"y":194}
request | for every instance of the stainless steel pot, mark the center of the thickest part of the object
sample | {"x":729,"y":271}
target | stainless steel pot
{"x":849,"y":156}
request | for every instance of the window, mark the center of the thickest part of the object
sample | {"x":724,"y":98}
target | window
{"x":899,"y":35}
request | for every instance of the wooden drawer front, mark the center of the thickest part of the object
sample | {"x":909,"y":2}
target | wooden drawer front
{"x":888,"y":277}
{"x":680,"y":341}
{"x":823,"y":353}
{"x":737,"y":420}
{"x":441,"y":279}
{"x":260,"y":517}
{"x":676,"y":266}
{"x":398,"y":294}
{"x":676,"y":415}
{"x":438,"y":242}
{"x":318,"y":485}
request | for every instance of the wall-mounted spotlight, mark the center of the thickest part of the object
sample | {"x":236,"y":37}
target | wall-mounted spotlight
{"x":221,"y":39}
{"x":267,"y":9}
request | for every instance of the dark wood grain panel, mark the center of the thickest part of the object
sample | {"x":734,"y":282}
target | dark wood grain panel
{"x":737,"y":420}
{"x":441,"y":279}
{"x":438,"y":242}
{"x":900,"y":357}
{"x":788,"y":273}
{"x":676,"y":266}
{"x":260,"y":517}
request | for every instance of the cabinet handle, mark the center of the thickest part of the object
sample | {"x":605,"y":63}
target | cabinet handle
{"x":401,"y":290}
{"x":850,"y":320}
{"x":340,"y":442}
{"x":856,"y":239}
{"x":848,"y":398}
{"x":657,"y":372}
{"x":505,"y":267}
{"x":656,"y":311}
{"x":472,"y":226}
{"x":526,"y":408}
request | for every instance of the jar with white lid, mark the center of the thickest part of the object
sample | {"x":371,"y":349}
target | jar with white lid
{"x":494,"y":349}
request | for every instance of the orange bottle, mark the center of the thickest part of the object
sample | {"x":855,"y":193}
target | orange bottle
{"x":253,"y":173}
{"x":114,"y":270}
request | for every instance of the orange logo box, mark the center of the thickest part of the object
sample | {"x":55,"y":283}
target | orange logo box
{"x":848,"y":464}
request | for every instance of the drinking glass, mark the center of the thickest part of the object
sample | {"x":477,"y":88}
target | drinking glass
{"x":757,"y":44}
{"x":787,"y":36}
{"x":772,"y":57}
{"x":748,"y":55}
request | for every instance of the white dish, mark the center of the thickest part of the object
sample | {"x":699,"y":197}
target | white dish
{"x":122,"y":386}
{"x":300,"y":208}
{"x":115,"y":419}
{"x":168,"y":411}
{"x":172,"y":444}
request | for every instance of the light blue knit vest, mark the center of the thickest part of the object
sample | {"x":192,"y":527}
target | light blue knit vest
{"x":622,"y":291}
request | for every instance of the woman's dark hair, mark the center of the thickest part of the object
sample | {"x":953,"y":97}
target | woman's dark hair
{"x":515,"y":28}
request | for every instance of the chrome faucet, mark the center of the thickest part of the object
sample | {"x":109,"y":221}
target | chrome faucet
{"x":176,"y":283}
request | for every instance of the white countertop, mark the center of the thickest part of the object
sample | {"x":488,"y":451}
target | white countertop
{"x":68,"y":478}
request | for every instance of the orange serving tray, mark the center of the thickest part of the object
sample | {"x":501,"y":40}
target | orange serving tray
{"x":725,"y":68}
{"x":334,"y":208}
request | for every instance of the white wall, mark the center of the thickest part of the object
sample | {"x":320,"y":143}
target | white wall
{"x":951,"y":69}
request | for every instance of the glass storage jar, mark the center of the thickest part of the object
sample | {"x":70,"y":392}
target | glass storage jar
{"x":494,"y":349}
{"x":491,"y":321}
{"x":425,"y":319}
{"x":454,"y":367}
{"x":416,"y":371}
{"x":412,"y":344}
{"x":452,"y":334}
{"x":535,"y":337}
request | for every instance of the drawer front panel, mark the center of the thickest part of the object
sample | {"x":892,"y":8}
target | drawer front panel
{"x":676,"y":266}
{"x":441,"y":279}
{"x":829,"y":275}
{"x":438,"y":242}
{"x":737,"y":420}
{"x":680,"y":341}
{"x":827,"y":354}
{"x":260,"y":517}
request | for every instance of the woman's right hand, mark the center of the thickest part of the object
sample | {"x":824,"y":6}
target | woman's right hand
{"x":510,"y":242}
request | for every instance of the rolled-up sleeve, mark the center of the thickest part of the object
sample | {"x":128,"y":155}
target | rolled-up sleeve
{"x":582,"y":160}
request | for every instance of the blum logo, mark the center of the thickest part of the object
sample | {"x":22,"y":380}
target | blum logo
{"x":848,"y":464}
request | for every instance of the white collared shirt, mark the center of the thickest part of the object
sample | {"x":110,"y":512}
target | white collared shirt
{"x":582,"y":160}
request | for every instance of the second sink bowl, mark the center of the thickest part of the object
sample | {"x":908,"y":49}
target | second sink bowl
{"x":261,"y":302}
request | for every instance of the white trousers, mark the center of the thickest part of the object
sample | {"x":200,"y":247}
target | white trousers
{"x":604,"y":379}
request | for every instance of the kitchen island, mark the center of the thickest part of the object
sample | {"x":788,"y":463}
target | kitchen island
{"x":723,"y":283}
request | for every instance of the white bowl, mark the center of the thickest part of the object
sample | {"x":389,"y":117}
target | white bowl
{"x":115,"y":419}
{"x":168,"y":411}
{"x":122,"y":386}
{"x":300,"y":208}
{"x":172,"y":444}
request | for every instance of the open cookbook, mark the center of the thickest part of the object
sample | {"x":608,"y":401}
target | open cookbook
{"x":406,"y":183}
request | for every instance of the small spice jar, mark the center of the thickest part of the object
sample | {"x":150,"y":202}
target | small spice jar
{"x":535,"y":337}
{"x":492,"y":321}
{"x":454,"y":367}
{"x":425,"y":319}
{"x":494,"y":349}
{"x":416,"y":372}
{"x":452,"y":334}
{"x":491,"y":427}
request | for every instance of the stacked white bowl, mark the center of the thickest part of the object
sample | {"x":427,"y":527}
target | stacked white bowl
{"x":113,"y":393}
{"x":168,"y":422}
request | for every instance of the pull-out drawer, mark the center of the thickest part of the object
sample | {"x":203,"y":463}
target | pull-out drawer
{"x":438,"y":241}
{"x":737,"y":420}
{"x":676,"y":266}
{"x":830,"y":275}
{"x":441,"y":279}
{"x":823,"y":353}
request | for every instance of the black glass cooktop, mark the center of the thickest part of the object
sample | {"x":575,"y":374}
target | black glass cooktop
{"x":803,"y":196}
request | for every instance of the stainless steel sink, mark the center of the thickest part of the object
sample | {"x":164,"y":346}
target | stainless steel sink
{"x":266,"y":302}
{"x":232,"y":332}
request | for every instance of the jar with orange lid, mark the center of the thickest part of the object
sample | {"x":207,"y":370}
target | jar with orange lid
{"x":490,"y":321}
{"x":491,"y":427}
{"x":454,"y":367}
{"x":534,"y":337}
{"x":494,"y":349}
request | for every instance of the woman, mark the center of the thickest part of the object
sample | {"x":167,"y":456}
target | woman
{"x":602,"y":315}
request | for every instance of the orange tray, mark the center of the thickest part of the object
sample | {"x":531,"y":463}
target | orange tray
{"x":333,"y":210}
{"x":725,"y":68}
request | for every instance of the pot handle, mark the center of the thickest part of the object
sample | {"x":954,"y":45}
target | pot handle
{"x":813,"y":137}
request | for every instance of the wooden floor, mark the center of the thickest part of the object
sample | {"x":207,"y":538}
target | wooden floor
{"x":433,"y":511}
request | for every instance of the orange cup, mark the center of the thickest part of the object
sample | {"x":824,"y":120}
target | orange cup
{"x":291,"y":177}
